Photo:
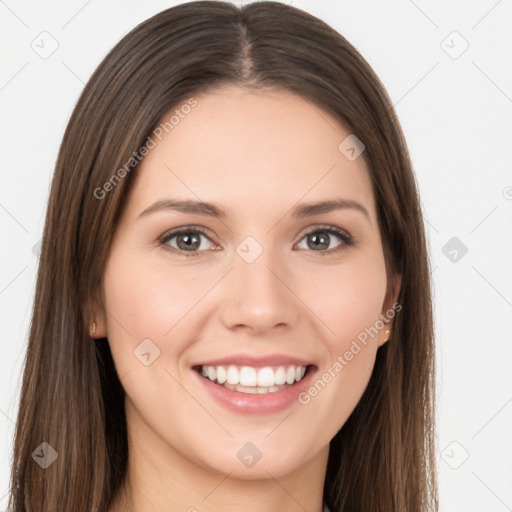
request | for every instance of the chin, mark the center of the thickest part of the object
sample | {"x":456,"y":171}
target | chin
{"x":255,"y":460}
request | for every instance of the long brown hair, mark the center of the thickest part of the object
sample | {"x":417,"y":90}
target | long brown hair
{"x":383,"y":457}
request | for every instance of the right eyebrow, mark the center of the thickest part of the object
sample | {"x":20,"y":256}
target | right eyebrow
{"x":185,"y":206}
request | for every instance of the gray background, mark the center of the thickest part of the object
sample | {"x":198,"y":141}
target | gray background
{"x":455,"y":106}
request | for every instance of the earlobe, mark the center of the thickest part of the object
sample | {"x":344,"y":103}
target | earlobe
{"x":97,"y":320}
{"x":385,"y":337}
{"x":390,"y":308}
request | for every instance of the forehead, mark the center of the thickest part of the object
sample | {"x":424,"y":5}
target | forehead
{"x":253,"y":149}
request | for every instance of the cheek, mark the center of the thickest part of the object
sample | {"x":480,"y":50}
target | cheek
{"x":347,"y":299}
{"x":147,"y":300}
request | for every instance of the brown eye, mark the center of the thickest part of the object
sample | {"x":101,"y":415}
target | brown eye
{"x":322,"y":239}
{"x":186,"y":240}
{"x":318,"y":240}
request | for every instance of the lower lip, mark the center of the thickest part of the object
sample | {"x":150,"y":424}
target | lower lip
{"x":249,"y":403}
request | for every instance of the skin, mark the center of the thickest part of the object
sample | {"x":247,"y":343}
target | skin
{"x":256,"y":155}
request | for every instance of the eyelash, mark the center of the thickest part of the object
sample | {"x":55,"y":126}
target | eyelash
{"x":342,"y":234}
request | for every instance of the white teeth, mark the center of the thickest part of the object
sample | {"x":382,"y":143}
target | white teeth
{"x":254,"y":380}
{"x":280,"y":376}
{"x":266,"y":377}
{"x":247,"y":389}
{"x":233,"y":376}
{"x":221,"y":375}
{"x":248,"y":376}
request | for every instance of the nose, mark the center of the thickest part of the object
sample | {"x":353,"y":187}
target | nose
{"x":259,"y":296}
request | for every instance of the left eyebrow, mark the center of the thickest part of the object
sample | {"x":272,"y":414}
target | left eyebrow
{"x":212,"y":210}
{"x":309,"y":209}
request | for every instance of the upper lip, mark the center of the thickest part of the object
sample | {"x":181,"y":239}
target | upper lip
{"x":255,"y":361}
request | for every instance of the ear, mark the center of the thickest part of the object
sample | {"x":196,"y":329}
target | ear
{"x":390,"y":308}
{"x":97,"y":317}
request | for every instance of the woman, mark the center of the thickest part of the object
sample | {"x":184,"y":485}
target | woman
{"x":233,"y":305}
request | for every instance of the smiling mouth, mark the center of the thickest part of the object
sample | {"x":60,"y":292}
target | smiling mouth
{"x":247,"y":379}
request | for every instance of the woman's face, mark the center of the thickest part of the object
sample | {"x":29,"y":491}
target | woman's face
{"x":257,"y":290}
